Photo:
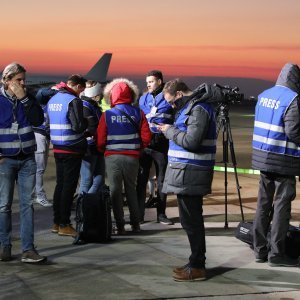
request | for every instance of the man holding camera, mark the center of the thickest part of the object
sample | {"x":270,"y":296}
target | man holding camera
{"x":191,"y":159}
{"x":276,"y":139}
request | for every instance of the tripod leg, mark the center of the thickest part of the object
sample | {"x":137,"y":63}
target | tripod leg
{"x":233,"y":159}
{"x":225,"y":161}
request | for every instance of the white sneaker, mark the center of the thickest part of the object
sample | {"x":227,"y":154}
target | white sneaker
{"x":43,"y":201}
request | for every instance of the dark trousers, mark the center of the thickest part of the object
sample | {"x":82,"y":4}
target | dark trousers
{"x":280,"y":191}
{"x":191,"y":219}
{"x":67,"y":175}
{"x":160,"y":160}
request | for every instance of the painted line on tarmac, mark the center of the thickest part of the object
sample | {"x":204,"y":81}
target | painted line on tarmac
{"x":238,"y":170}
{"x":248,"y":116}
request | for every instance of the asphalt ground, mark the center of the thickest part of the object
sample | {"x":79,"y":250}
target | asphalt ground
{"x":139,"y":266}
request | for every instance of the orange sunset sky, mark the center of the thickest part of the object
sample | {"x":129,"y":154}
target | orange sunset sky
{"x":233,"y":38}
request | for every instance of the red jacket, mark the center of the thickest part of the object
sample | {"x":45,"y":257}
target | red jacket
{"x":121,"y":91}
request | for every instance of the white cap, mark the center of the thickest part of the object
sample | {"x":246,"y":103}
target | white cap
{"x":93,"y":91}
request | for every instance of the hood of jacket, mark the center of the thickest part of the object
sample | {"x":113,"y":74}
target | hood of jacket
{"x":121,"y":91}
{"x":205,"y":93}
{"x":290,"y":77}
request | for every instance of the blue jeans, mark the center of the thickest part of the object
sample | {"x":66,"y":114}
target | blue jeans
{"x":21,"y":171}
{"x":92,"y":173}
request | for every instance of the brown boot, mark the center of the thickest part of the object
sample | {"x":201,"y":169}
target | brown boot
{"x":55,"y":228}
{"x":180,"y":269}
{"x":67,"y":230}
{"x":190,"y":274}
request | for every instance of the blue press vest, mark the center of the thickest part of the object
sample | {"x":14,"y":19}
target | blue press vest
{"x":206,"y":155}
{"x":16,"y":133}
{"x":61,"y":132}
{"x":96,"y":113}
{"x":121,"y":134}
{"x":269,"y":134}
{"x":156,"y":109}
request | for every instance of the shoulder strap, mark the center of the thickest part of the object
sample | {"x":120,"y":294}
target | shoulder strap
{"x":129,"y":119}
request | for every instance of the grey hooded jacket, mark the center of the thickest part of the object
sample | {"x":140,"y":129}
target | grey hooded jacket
{"x":182,"y":178}
{"x":279,"y":163}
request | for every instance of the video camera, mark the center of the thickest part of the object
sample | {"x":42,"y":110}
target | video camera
{"x":227,"y":94}
{"x":218,"y":95}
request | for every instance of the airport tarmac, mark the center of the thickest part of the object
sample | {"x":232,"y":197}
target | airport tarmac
{"x":139,"y":266}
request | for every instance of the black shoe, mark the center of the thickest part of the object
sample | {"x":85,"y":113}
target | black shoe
{"x":5,"y":254}
{"x":261,"y":259}
{"x":284,"y":261}
{"x":151,"y":202}
{"x":136,"y":228}
{"x":121,"y":230}
{"x":163,"y":219}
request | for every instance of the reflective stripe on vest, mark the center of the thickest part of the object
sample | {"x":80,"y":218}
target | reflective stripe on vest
{"x":16,"y":133}
{"x":156,"y":109}
{"x":206,"y":155}
{"x":121,"y":134}
{"x":269,"y":134}
{"x":61,"y":131}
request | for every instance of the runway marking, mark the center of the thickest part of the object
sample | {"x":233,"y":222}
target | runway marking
{"x":247,"y":115}
{"x":238,"y":170}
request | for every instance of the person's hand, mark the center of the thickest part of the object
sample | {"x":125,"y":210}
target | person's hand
{"x":163,"y":127}
{"x":17,"y":89}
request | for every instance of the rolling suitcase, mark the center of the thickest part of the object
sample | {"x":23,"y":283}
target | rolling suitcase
{"x":93,"y":218}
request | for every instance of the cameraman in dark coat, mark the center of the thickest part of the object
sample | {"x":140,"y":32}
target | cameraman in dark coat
{"x":191,"y":159}
{"x":276,"y":153}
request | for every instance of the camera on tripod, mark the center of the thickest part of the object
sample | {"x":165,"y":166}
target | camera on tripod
{"x":224,"y":96}
{"x":228,"y":94}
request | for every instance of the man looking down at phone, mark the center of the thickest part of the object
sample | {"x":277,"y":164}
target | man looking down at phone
{"x":18,"y":113}
{"x":191,"y":159}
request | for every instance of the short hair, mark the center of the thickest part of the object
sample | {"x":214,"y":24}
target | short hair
{"x":174,"y":86}
{"x":156,"y":73}
{"x":90,"y":83}
{"x":12,"y":70}
{"x":77,"y":79}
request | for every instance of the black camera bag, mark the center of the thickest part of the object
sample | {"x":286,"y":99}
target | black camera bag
{"x":244,"y":233}
{"x":93,"y":218}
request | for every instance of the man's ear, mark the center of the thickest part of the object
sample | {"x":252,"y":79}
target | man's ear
{"x":160,"y":81}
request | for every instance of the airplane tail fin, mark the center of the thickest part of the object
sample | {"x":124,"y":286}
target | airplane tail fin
{"x":99,"y":71}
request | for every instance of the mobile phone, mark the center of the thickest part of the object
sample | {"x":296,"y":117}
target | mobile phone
{"x":154,"y":122}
